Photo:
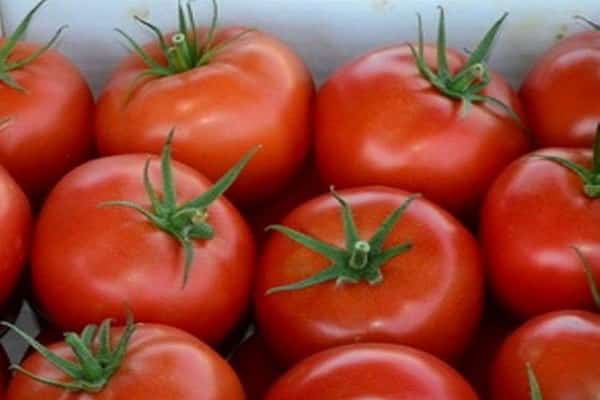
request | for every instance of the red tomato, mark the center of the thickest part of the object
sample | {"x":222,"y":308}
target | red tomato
{"x":436,"y":283}
{"x":90,"y":263}
{"x":560,"y":91}
{"x":379,"y":121}
{"x":255,"y":367}
{"x":533,"y":215}
{"x":562,"y":349}
{"x":160,"y":363}
{"x":45,"y":128}
{"x":254,"y":91}
{"x":371,"y":371}
{"x":15,"y":226}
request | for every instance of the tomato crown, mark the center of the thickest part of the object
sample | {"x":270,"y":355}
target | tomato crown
{"x":468,"y":83}
{"x":189,"y":221}
{"x":96,"y":361}
{"x":589,"y":275}
{"x":185,"y":50}
{"x":589,"y":22}
{"x":589,"y":176}
{"x":9,"y":45}
{"x":360,"y":260}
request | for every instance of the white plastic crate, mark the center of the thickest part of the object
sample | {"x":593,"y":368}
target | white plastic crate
{"x":325,"y":32}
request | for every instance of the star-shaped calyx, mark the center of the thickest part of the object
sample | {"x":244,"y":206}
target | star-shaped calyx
{"x":360,"y":260}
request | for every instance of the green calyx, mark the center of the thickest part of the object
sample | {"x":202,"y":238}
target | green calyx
{"x":467,"y":84}
{"x":184,"y":50}
{"x":589,"y":176}
{"x":360,"y":260}
{"x":535,"y":392}
{"x":187,"y":222}
{"x":6,"y":49}
{"x":96,"y":363}
{"x":589,"y":276}
{"x":589,"y":22}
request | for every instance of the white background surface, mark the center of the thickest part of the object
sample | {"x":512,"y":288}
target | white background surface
{"x":325,"y":32}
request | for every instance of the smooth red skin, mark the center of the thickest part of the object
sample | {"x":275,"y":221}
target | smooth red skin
{"x":439,"y":283}
{"x":378,"y":121}
{"x":161,"y":363}
{"x":476,"y":364}
{"x":559,"y":94}
{"x":533,"y":214}
{"x":564,"y":351}
{"x":15,"y":228}
{"x":51,"y":128}
{"x":371,"y":371}
{"x":90,"y":263}
{"x":257,"y":91}
{"x":255,"y":367}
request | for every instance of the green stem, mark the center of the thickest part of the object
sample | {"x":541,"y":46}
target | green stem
{"x":186,"y":222}
{"x":468,"y":83}
{"x":590,"y":177}
{"x":96,"y":362}
{"x":10,"y":43}
{"x":359,"y":258}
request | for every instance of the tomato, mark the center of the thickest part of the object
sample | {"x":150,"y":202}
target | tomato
{"x":159,"y":362}
{"x":15,"y":226}
{"x":46,"y":111}
{"x":559,"y":92}
{"x":380,"y":121}
{"x":255,"y":367}
{"x":533,"y":215}
{"x":426,"y":275}
{"x":252,"y":89}
{"x":369,"y":371}
{"x":563,"y":352}
{"x":476,"y":364}
{"x":92,"y":262}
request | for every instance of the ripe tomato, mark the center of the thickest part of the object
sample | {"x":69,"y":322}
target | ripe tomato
{"x":558,"y":92}
{"x":46,"y":111}
{"x":90,"y":263}
{"x":533,"y":215}
{"x":436,"y":281}
{"x":15,"y":226}
{"x":369,"y":371}
{"x":563,"y":352}
{"x":252,"y":90}
{"x":160,"y":362}
{"x":255,"y":367}
{"x":380,"y":121}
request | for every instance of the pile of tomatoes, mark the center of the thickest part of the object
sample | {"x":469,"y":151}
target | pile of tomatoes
{"x":214,"y":227}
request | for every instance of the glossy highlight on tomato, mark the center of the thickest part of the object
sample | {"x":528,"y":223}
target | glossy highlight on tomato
{"x":371,"y":371}
{"x":561,"y":348}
